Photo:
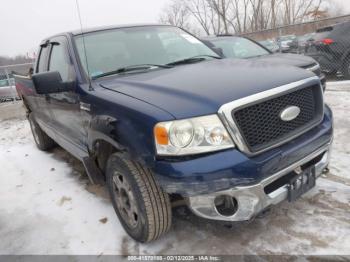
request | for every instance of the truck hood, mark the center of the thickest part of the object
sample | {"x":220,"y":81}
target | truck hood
{"x":202,"y":88}
{"x":287,"y":59}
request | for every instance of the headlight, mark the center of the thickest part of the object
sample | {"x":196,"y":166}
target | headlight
{"x":191,"y":136}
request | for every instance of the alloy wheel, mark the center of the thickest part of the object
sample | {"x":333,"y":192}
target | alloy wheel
{"x":125,"y":200}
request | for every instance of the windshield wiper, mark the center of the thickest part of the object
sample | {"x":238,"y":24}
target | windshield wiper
{"x":194,"y":59}
{"x":127,"y":69}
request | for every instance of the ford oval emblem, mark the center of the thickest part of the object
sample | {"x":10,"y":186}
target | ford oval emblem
{"x":290,"y":113}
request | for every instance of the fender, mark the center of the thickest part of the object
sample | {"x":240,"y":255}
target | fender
{"x":103,"y":128}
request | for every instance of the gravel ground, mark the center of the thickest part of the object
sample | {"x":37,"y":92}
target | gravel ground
{"x":47,"y":205}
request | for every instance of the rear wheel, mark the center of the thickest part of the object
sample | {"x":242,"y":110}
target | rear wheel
{"x":143,"y":208}
{"x":42,"y":140}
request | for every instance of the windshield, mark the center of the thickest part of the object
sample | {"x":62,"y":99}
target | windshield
{"x":110,"y":50}
{"x":240,"y":48}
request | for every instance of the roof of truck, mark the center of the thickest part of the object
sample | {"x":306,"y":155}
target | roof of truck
{"x":102,"y":28}
{"x":96,"y":29}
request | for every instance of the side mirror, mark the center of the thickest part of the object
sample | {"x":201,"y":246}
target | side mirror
{"x":51,"y":82}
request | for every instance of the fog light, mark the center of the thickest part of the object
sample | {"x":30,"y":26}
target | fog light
{"x":226,"y":205}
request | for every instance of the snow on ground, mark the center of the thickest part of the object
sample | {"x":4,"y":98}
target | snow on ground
{"x":47,"y":206}
{"x":44,"y":206}
{"x":339,"y":101}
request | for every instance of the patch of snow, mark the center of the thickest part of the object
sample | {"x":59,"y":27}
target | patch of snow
{"x":339,"y":83}
{"x":33,"y":217}
{"x":340,"y":104}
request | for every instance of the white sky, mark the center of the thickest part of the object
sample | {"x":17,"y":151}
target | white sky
{"x":24,"y":23}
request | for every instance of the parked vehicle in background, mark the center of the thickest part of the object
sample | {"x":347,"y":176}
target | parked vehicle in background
{"x":303,"y":42}
{"x":330,"y":46}
{"x":299,"y":43}
{"x":7,"y":90}
{"x":245,"y":48}
{"x":158,"y":116}
{"x":285,"y":42}
{"x":271,"y":45}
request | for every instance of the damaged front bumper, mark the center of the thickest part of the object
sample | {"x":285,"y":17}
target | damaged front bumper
{"x":253,"y":199}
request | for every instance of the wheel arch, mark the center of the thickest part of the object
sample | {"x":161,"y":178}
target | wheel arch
{"x":101,"y":139}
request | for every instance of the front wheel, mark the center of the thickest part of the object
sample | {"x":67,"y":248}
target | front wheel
{"x":143,"y":208}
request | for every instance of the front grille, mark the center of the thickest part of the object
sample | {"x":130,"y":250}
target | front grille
{"x":261,"y":126}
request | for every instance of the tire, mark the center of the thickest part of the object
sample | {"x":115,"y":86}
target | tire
{"x":42,"y":140}
{"x":346,"y":68}
{"x":142,"y":207}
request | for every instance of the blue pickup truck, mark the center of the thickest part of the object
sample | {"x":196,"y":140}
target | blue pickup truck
{"x":158,"y":116}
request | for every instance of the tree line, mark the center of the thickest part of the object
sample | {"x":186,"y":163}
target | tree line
{"x":20,"y":59}
{"x":214,"y":17}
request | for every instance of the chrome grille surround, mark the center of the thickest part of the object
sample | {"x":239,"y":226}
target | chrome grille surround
{"x":225,"y":112}
{"x":316,"y":69}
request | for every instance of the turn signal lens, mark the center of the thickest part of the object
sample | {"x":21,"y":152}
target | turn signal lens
{"x":161,"y":135}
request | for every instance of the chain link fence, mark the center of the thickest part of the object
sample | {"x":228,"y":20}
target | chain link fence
{"x":327,"y":41}
{"x":7,"y":83}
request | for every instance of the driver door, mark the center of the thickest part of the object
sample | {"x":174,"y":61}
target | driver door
{"x":65,"y":106}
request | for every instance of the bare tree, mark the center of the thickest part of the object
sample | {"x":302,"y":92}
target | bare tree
{"x":202,"y":13}
{"x":297,"y":11}
{"x":241,"y":16}
{"x":176,"y":14}
{"x":19,"y":59}
{"x":221,"y":8}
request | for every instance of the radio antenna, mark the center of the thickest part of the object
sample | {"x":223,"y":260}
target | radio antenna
{"x":84,"y":46}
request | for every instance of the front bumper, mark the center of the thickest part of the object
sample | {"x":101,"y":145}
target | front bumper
{"x":220,"y":171}
{"x":253,"y":199}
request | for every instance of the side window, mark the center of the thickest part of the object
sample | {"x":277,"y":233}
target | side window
{"x":42,"y":60}
{"x":59,"y":61}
